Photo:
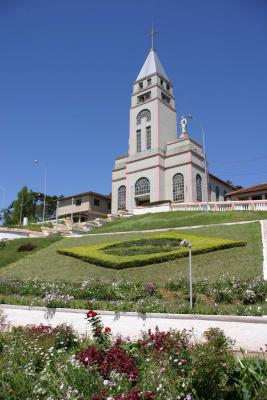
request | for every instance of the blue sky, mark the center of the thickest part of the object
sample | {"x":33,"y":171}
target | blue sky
{"x":66,"y":74}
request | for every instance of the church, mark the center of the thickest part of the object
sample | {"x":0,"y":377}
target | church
{"x":161,"y":164}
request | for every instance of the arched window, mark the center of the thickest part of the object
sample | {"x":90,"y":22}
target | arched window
{"x":143,"y":114}
{"x":217,"y":192}
{"x":142,"y":186}
{"x":199,"y":187}
{"x":122,"y":198}
{"x":178,"y":187}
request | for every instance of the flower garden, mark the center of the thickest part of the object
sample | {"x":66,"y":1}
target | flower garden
{"x":45,"y":363}
{"x":226,"y":295}
{"x":155,"y":248}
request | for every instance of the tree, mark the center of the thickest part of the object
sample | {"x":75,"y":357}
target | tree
{"x":21,"y":207}
{"x":236,"y":187}
{"x":29,"y":204}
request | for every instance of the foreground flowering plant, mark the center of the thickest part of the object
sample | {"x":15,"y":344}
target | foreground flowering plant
{"x":44,"y":363}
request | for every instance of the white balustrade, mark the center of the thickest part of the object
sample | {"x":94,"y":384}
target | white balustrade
{"x":244,"y":205}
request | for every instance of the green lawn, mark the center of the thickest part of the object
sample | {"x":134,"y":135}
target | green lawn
{"x":9,"y":253}
{"x":175,"y":219}
{"x":46,"y":264}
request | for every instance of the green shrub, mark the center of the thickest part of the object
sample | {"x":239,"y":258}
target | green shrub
{"x":3,"y":243}
{"x":26,"y":247}
{"x":97,"y":254}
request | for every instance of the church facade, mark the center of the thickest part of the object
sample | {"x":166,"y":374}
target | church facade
{"x":159,"y":165}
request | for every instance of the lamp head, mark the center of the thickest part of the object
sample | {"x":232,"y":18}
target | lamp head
{"x":35,"y":161}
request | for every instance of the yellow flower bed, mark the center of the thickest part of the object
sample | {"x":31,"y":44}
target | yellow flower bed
{"x":95,"y":254}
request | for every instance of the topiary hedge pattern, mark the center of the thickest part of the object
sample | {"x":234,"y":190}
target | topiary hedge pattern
{"x":154,"y":249}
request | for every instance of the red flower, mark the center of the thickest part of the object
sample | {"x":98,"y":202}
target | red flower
{"x":97,"y":331}
{"x":107,"y":329}
{"x":91,"y":314}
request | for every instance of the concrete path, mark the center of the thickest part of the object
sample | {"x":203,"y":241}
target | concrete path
{"x":250,"y":333}
{"x":264,"y":246}
{"x":163,"y":229}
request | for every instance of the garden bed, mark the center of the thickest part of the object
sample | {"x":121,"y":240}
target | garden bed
{"x":227,"y":295}
{"x":152,"y":249}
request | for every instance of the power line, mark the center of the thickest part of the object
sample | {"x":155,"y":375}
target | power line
{"x":238,"y":161}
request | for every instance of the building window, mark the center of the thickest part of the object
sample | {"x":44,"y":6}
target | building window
{"x":142,"y":186}
{"x":143,"y":114}
{"x":224,"y":195}
{"x":141,"y":85}
{"x":178,"y":187}
{"x":109,"y":205}
{"x":96,"y":202}
{"x":199,"y":187}
{"x":138,"y":141}
{"x":143,"y":97}
{"x":217,"y":192}
{"x":122,"y":198}
{"x":148,"y":137}
{"x":165,"y":98}
{"x":148,"y":81}
{"x":161,"y":82}
{"x":167,"y":87}
{"x":78,"y":202}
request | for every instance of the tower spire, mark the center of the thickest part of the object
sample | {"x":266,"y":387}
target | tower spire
{"x":152,"y":34}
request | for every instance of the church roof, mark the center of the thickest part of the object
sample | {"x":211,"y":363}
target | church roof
{"x":152,"y":65}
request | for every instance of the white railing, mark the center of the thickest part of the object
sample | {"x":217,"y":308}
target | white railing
{"x":244,"y":205}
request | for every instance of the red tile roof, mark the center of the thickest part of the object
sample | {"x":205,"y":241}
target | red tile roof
{"x":256,"y":188}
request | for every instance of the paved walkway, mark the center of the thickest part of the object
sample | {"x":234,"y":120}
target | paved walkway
{"x":264,"y":245}
{"x":163,"y":229}
{"x":250,"y":333}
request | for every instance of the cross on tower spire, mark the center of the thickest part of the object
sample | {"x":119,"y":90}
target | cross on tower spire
{"x":152,"y":34}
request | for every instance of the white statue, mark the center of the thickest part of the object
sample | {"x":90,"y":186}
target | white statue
{"x":183,"y":124}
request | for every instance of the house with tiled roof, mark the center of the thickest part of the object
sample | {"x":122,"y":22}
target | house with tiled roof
{"x":256,"y":192}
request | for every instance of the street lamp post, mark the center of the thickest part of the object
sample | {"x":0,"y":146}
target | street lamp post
{"x":4,"y":195}
{"x":186,"y":243}
{"x":57,"y":216}
{"x":190,"y":276}
{"x":45,"y":178}
{"x":205,"y":156}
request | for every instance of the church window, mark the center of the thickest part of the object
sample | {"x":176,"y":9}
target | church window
{"x":148,"y":81}
{"x":143,"y":114}
{"x":217,"y":191}
{"x":122,"y":198}
{"x":199,"y":187}
{"x":165,"y":98}
{"x":148,"y":137}
{"x":138,"y":141}
{"x":78,"y":202}
{"x":143,"y":97}
{"x":142,"y":186}
{"x":178,"y":187}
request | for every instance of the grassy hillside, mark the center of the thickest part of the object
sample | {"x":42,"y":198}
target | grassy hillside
{"x":244,"y":261}
{"x":175,"y":219}
{"x":9,"y":253}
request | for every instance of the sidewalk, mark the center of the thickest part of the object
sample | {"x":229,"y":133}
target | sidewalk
{"x":264,"y":246}
{"x":249,"y":333}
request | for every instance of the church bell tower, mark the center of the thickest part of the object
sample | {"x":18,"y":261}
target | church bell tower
{"x":153,"y":120}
